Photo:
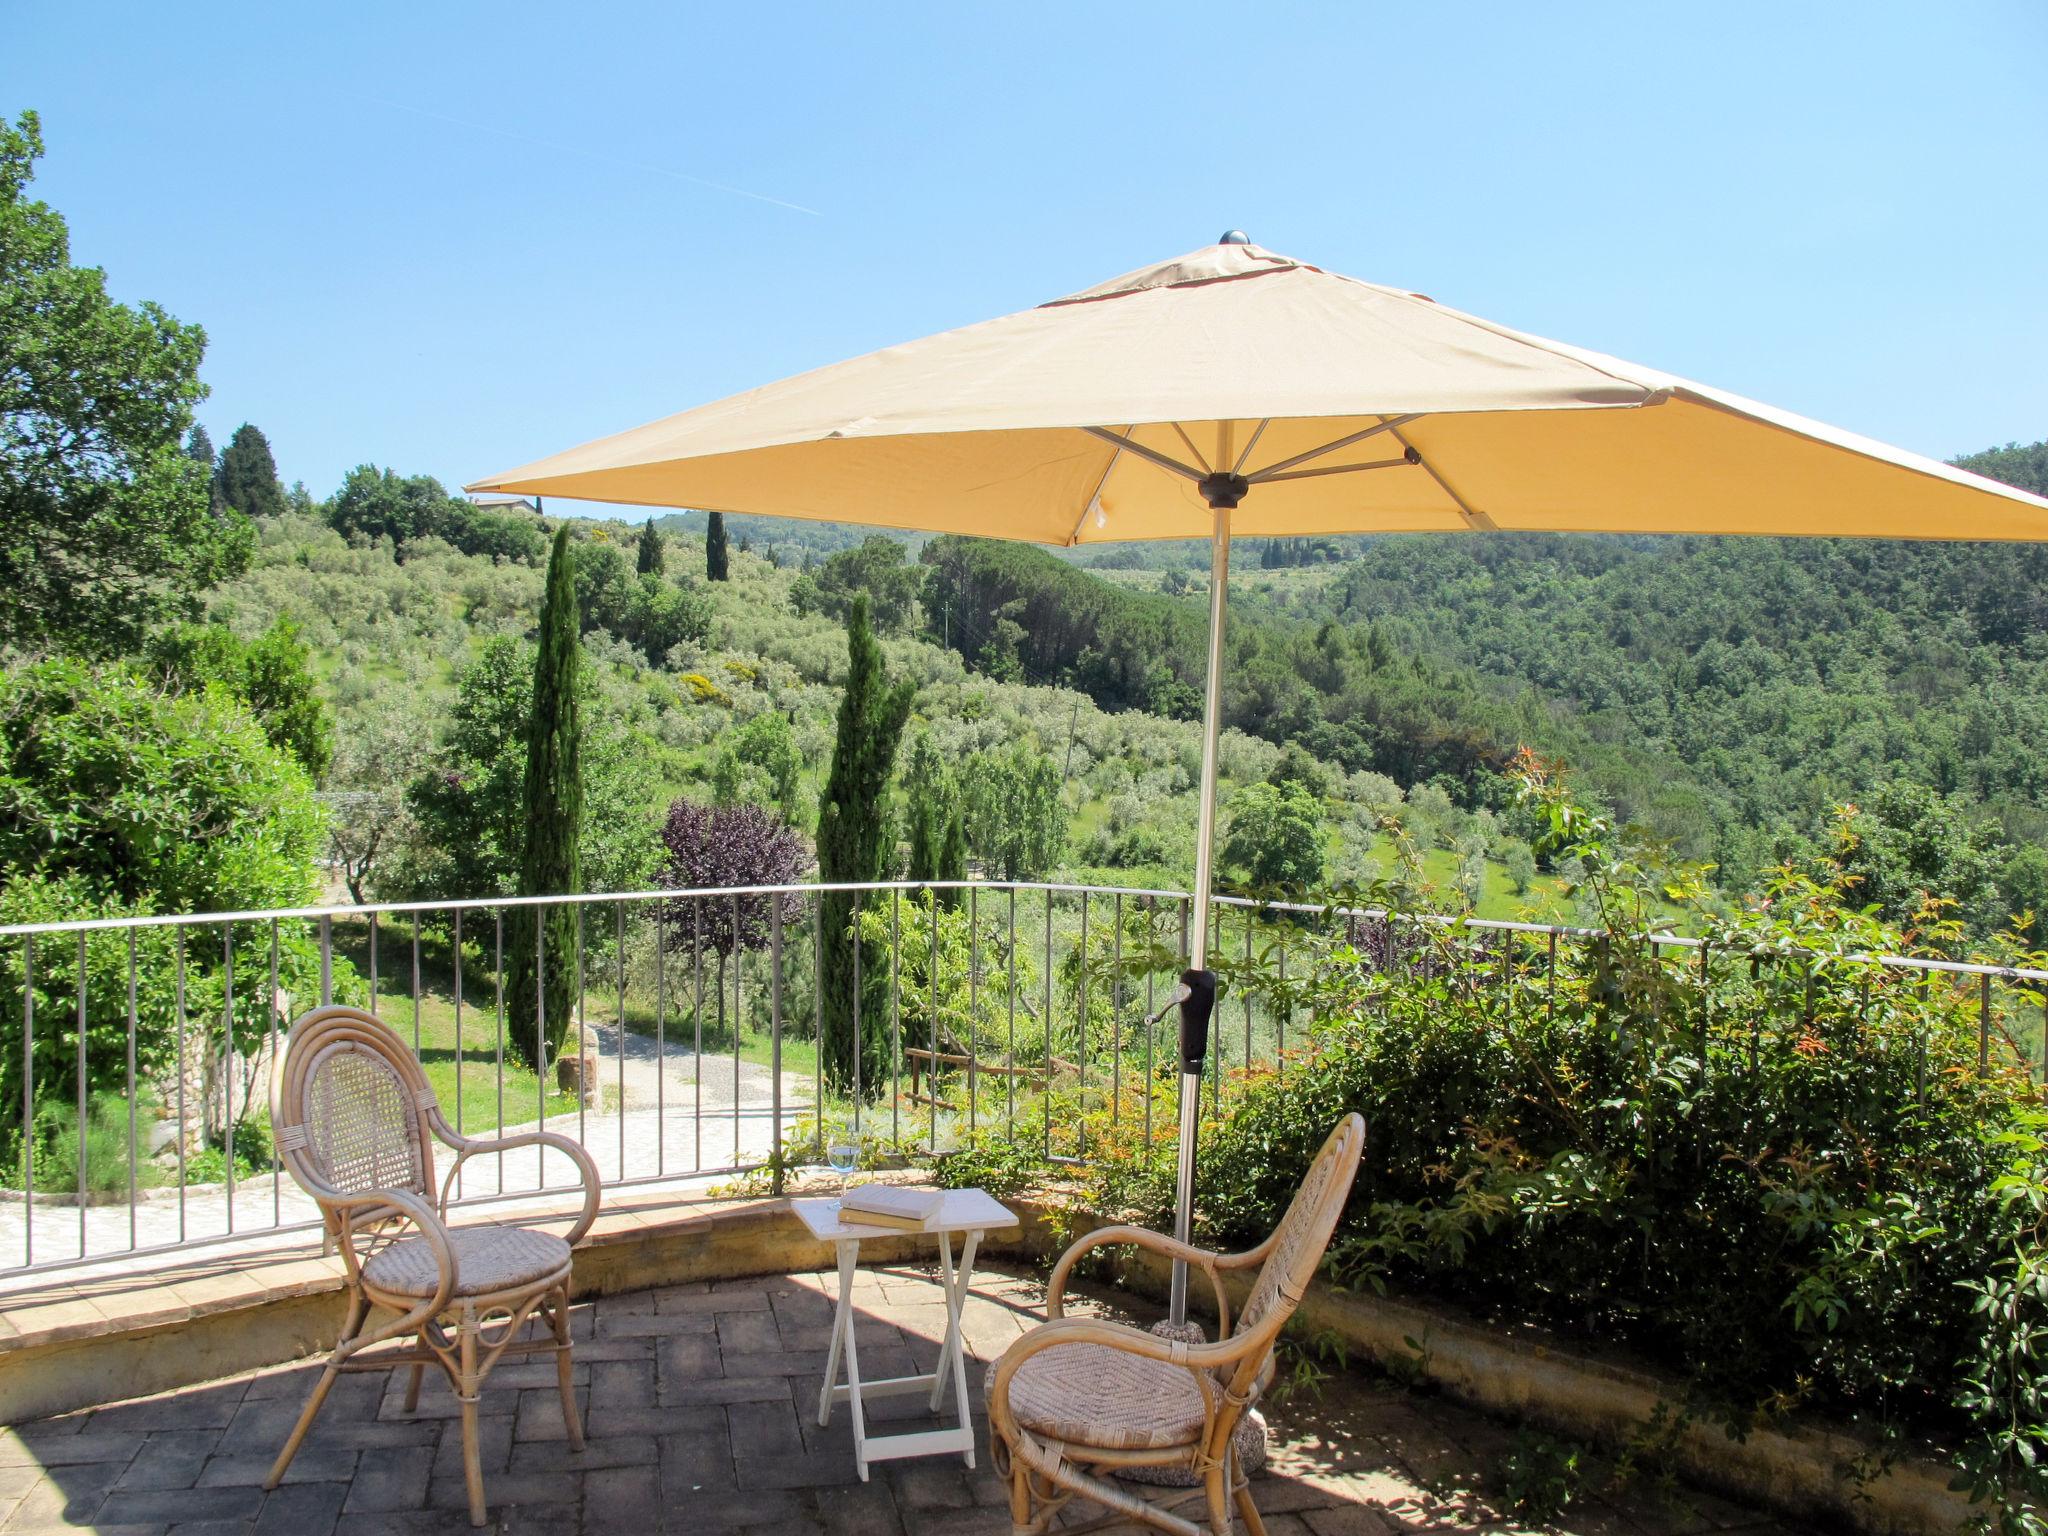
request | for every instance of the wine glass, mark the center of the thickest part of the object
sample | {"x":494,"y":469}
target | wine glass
{"x":842,"y":1151}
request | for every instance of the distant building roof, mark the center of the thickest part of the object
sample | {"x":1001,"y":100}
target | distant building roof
{"x":502,"y":499}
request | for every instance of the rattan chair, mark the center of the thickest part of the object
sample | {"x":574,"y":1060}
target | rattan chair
{"x":1075,"y":1398}
{"x":355,"y":1123}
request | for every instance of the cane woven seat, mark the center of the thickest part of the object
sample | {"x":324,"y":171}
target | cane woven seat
{"x":487,"y":1259}
{"x":1091,"y":1394}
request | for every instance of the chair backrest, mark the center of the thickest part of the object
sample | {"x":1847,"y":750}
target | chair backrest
{"x":1304,"y":1232}
{"x":351,"y":1108}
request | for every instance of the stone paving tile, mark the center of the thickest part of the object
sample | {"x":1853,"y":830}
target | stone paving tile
{"x":700,"y":1406}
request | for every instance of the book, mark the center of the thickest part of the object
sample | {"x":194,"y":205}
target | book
{"x":890,"y":1205}
{"x":854,"y":1218}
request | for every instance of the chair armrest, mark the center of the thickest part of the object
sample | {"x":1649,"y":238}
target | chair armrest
{"x":1140,"y":1237}
{"x":379,"y":1204}
{"x":467,"y":1147}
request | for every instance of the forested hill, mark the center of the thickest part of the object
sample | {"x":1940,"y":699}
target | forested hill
{"x":1729,"y":692}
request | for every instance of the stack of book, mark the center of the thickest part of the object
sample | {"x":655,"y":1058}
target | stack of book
{"x":890,"y":1205}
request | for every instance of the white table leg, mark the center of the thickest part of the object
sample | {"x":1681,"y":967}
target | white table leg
{"x":953,"y":1353}
{"x":842,"y":1324}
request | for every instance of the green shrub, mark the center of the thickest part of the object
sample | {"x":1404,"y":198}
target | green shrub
{"x":1779,"y":1170}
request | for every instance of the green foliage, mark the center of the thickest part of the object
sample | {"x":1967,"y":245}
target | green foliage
{"x":541,"y":962}
{"x":106,"y":527}
{"x":1276,"y":838}
{"x":1539,"y":1475}
{"x":717,"y":558}
{"x":952,"y":970}
{"x":854,"y":845}
{"x":649,"y":558}
{"x":877,"y":567}
{"x":179,"y":801}
{"x":469,"y":803}
{"x":247,"y":480}
{"x":378,"y":503}
{"x":933,"y":817}
{"x":759,"y":761}
{"x":1014,"y":817}
{"x":269,"y":674}
{"x":662,"y":614}
{"x":58,"y":1148}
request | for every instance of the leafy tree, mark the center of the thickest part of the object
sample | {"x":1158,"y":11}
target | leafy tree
{"x":878,"y":567}
{"x":269,"y":674}
{"x":662,"y":614}
{"x":247,"y":479}
{"x":709,"y":847}
{"x":715,"y":554}
{"x":1297,"y":766}
{"x":176,"y":801}
{"x":649,"y":562}
{"x":932,"y":809}
{"x":1520,"y":862}
{"x":1909,"y":842}
{"x":376,"y":758}
{"x":1276,"y":838}
{"x":105,"y":523}
{"x":542,"y":961}
{"x":764,"y":751}
{"x":1014,"y":816}
{"x":853,"y":847}
{"x":378,"y":503}
{"x":469,"y":800}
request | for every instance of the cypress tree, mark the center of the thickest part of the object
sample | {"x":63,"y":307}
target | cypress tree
{"x":651,"y":554}
{"x":541,"y":984}
{"x":199,"y":449}
{"x":854,"y":844}
{"x":714,"y":547}
{"x":247,"y":478}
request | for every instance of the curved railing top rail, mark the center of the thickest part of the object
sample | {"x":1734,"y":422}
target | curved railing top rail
{"x":813,"y":888}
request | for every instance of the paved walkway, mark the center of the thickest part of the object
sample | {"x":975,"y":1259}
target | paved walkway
{"x":695,"y":1401}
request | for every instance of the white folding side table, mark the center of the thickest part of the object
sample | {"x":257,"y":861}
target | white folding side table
{"x":969,"y":1212}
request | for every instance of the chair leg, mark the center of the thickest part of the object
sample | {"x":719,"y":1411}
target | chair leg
{"x":351,"y":1325}
{"x":565,"y":1366}
{"x":469,"y":1388}
{"x":1248,"y":1512}
{"x":412,"y":1387}
{"x":1020,"y":1496}
{"x":1216,"y":1484}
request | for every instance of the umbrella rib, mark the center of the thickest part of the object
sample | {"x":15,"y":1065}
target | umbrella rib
{"x":1338,"y":469}
{"x":1193,"y":452}
{"x":1094,"y":501}
{"x":1257,"y":432}
{"x":1150,"y":455}
{"x":1386,"y":424}
{"x":1472,"y":515}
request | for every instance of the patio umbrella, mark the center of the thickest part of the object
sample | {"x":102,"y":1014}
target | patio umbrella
{"x":1237,"y":391}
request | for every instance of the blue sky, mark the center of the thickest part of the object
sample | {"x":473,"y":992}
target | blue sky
{"x":450,"y":238}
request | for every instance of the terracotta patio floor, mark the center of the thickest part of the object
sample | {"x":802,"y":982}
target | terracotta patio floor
{"x":699,"y":1401}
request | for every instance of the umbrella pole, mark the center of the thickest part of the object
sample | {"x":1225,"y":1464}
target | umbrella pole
{"x":1199,"y":983}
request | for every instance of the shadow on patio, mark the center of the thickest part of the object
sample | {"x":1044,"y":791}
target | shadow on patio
{"x":700,"y":1403}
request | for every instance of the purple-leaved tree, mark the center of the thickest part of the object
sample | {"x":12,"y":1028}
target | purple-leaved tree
{"x":712,"y":846}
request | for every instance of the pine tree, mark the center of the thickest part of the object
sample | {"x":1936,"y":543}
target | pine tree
{"x":651,"y":554}
{"x":714,"y":548}
{"x":541,"y":981}
{"x":854,"y":846}
{"x":247,"y":479}
{"x":199,"y":449}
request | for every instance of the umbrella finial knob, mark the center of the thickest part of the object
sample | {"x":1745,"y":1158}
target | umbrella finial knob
{"x":1235,"y":237}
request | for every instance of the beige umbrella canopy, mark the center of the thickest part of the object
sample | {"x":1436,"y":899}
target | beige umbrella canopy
{"x":1237,"y":390}
{"x":1095,"y":417}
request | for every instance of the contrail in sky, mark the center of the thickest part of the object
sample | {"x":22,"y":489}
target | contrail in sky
{"x":638,"y":165}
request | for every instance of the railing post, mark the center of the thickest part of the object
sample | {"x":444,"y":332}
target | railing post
{"x":326,"y":960}
{"x":775,"y":1175}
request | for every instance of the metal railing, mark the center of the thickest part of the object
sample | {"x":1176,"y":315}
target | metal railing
{"x":141,"y":1048}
